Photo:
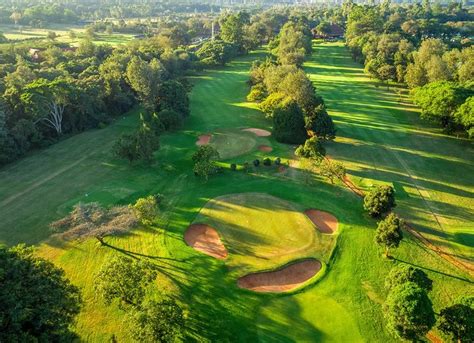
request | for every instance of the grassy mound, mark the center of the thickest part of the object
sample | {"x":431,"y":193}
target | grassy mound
{"x":231,"y":143}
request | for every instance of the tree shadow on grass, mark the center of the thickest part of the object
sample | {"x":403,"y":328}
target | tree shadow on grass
{"x":435,"y":271}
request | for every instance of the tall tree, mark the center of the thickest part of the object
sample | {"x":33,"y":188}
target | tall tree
{"x":457,"y":320}
{"x":125,"y":280}
{"x":37,"y":301}
{"x":389,"y":233}
{"x":409,"y":312}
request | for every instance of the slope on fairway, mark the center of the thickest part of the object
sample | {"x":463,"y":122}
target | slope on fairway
{"x":261,"y":231}
{"x":382,"y":140}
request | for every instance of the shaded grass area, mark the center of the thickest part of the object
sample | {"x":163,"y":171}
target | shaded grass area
{"x":343,"y":306}
{"x":382,"y":140}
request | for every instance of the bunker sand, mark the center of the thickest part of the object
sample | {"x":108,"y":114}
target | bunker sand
{"x":281,"y":280}
{"x":324,"y":221}
{"x":205,"y":239}
{"x":258,"y":132}
{"x":204,"y":139}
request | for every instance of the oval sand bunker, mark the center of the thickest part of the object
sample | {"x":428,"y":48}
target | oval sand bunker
{"x":258,"y":132}
{"x":205,"y":239}
{"x":324,"y":221}
{"x":203,"y":139}
{"x":265,"y":148}
{"x":284,"y":279}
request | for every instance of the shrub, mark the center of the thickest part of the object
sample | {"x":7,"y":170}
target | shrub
{"x":171,"y":120}
{"x":379,"y":200}
{"x":233,"y":167}
{"x":204,"y":161}
{"x":277,"y":161}
{"x":146,"y":209}
{"x":246,"y":166}
{"x":267,"y":162}
{"x":312,"y":149}
{"x":257,"y":93}
{"x":256,"y":163}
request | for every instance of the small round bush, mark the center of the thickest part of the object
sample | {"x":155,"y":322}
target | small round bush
{"x":246,"y":166}
{"x":267,"y":162}
{"x":277,"y":161}
{"x":256,"y":163}
{"x":233,"y":167}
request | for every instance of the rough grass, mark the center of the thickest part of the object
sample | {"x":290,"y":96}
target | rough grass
{"x":262,"y":232}
{"x":343,"y":306}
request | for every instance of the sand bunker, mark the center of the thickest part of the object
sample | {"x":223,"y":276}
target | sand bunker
{"x":265,"y":148}
{"x":285,"y":279}
{"x":258,"y":132}
{"x":206,"y":240}
{"x":203,"y":139}
{"x":324,"y":221}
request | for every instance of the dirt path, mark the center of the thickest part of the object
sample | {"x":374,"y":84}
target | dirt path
{"x":42,"y":181}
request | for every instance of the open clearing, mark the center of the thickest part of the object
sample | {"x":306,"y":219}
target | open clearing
{"x":343,"y":306}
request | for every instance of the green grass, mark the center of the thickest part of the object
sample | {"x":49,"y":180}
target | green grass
{"x":382,"y":140}
{"x":262,"y":232}
{"x":344,"y":305}
{"x":19,"y":33}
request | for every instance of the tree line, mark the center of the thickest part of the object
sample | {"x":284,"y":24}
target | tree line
{"x":427,"y":48}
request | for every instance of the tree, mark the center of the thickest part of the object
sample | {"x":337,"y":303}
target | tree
{"x":312,"y":149}
{"x":146,"y":209}
{"x":389,"y":233}
{"x":465,"y":116}
{"x":408,"y":311}
{"x":204,"y":161}
{"x":139,"y":145}
{"x":440,"y":100}
{"x":232,"y":29}
{"x":406,"y":273}
{"x":145,"y":78}
{"x":320,"y":123}
{"x":456,"y":320}
{"x":157,"y":321}
{"x":51,"y":35}
{"x":379,"y":200}
{"x":332,"y":170}
{"x":125,"y":280}
{"x":37,"y":301}
{"x":288,"y":123}
{"x":46,"y":101}
{"x":216,"y":52}
{"x":172,"y":95}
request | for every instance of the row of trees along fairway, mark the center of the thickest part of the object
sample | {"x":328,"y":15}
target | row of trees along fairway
{"x":426,"y":47}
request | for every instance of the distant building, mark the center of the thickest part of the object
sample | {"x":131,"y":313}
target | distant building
{"x":35,"y":53}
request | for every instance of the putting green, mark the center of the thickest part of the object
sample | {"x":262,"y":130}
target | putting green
{"x":232,"y":143}
{"x":262,"y":232}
